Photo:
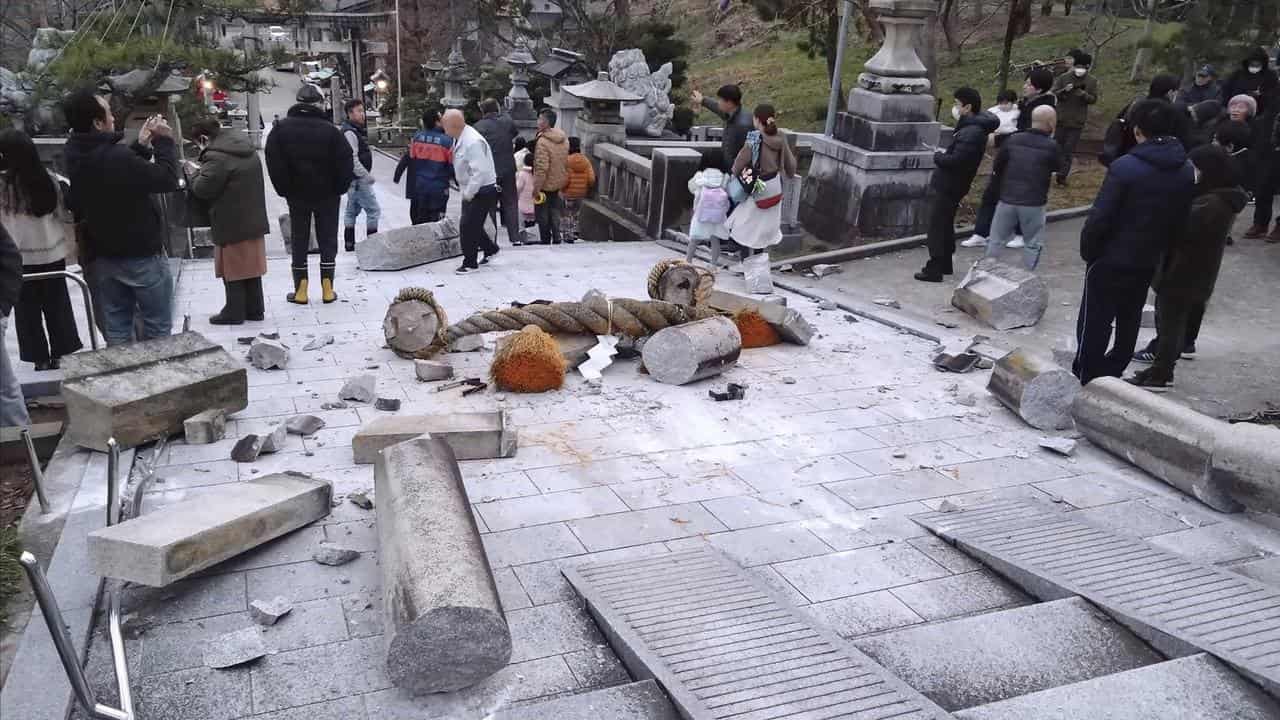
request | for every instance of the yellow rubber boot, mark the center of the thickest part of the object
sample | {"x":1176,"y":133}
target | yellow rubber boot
{"x":299,"y":295}
{"x":327,"y":294}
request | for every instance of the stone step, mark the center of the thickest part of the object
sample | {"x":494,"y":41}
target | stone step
{"x":1189,"y":688}
{"x":637,"y":701}
{"x":986,"y":658}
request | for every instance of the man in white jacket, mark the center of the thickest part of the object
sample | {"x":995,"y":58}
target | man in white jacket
{"x":473,"y":168}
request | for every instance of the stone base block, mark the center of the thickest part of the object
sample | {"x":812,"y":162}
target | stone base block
{"x":141,"y":391}
{"x":177,"y":540}
{"x":1001,"y":295}
{"x":852,"y":196}
{"x":790,"y":324}
{"x":472,"y":436}
{"x":207,"y":427}
{"x":410,"y":246}
{"x":891,"y":108}
{"x":880,"y":136}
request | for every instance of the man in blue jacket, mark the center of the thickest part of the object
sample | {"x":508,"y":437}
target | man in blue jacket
{"x":1142,"y":203}
{"x":429,"y":161}
{"x":953,"y":174}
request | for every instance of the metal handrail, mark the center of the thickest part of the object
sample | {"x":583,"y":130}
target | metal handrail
{"x":84,"y":290}
{"x":37,"y":475}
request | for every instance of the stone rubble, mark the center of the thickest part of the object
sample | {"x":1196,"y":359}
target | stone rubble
{"x":387,"y":404}
{"x":266,"y":354}
{"x":1062,"y":446}
{"x":330,"y":554}
{"x":361,"y":500}
{"x":205,"y":427}
{"x":267,"y":612}
{"x":432,"y":370}
{"x":247,"y":449}
{"x":1001,"y":295}
{"x":318,"y":342}
{"x":823,"y":270}
{"x":274,"y":441}
{"x":361,"y":388}
{"x":303,"y":425}
{"x":467,"y":343}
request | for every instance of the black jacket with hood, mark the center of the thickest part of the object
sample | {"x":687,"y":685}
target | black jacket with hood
{"x":500,"y":132}
{"x":955,"y":168}
{"x":308,"y":158}
{"x":1260,"y":87}
{"x":113,"y":188}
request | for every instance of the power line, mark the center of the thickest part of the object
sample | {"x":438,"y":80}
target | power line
{"x":163,"y":35}
{"x":141,"y":4}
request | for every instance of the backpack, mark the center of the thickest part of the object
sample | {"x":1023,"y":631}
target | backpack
{"x":713,"y":205}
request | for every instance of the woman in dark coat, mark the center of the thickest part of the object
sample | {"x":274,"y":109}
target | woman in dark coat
{"x":230,"y":180}
{"x":1185,"y":279}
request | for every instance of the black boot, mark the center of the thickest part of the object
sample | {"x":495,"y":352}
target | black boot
{"x":233,"y":312}
{"x":370,"y":230}
{"x":254,"y":307}
{"x":349,"y":238}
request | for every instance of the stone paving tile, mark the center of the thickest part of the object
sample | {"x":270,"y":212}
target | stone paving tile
{"x":772,"y":578}
{"x":596,"y":667}
{"x":553,"y":507}
{"x":843,"y":419}
{"x":1011,"y":492}
{"x":1133,"y":518}
{"x":759,"y":545}
{"x":818,"y":444}
{"x":532,"y":544}
{"x":943,"y":553}
{"x":877,"y":526}
{"x":363,"y":613}
{"x":859,"y":571}
{"x":544,"y":583}
{"x":510,"y":592}
{"x":547,"y":630}
{"x":189,"y":599}
{"x":919,"y":431}
{"x":317,"y":622}
{"x":294,"y":547}
{"x":863,"y":614}
{"x":499,"y":487}
{"x":309,"y":580}
{"x":201,"y":474}
{"x":785,"y":474}
{"x":1211,"y":544}
{"x":883,"y":461}
{"x":998,"y":472}
{"x":959,"y":595}
{"x":644,"y":526}
{"x":325,"y":672}
{"x":1266,"y":570}
{"x":360,"y":535}
{"x":196,"y":694}
{"x":998,"y":444}
{"x":347,"y":708}
{"x":643,"y":494}
{"x":776,"y":506}
{"x":1085,"y":491}
{"x":180,"y":646}
{"x":513,"y":683}
{"x":869,"y":492}
{"x":712,"y":460}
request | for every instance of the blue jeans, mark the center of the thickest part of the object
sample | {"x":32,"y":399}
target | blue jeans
{"x":124,"y":286}
{"x":1005,"y":223}
{"x":361,"y":197}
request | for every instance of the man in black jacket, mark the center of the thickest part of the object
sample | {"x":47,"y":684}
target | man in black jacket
{"x":500,"y":132}
{"x":737,"y":121}
{"x":360,"y":196}
{"x":1022,"y":170}
{"x":112,"y":188}
{"x":13,"y":406}
{"x":311,"y":167}
{"x":952,"y":176}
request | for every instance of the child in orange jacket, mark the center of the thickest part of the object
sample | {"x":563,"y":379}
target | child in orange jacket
{"x":582,"y":179}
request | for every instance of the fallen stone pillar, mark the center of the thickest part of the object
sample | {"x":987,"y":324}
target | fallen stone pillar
{"x":1035,"y":388}
{"x":443,"y":622}
{"x":408,"y":246}
{"x":471,"y":436}
{"x":790,"y":324}
{"x":1002,"y":296}
{"x":1246,"y":459}
{"x":141,"y":391}
{"x":174,"y":541}
{"x":684,"y":353}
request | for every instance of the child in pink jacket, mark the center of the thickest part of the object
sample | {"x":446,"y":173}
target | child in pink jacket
{"x":524,"y":191}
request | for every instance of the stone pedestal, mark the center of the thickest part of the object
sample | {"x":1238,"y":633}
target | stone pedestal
{"x":669,"y":197}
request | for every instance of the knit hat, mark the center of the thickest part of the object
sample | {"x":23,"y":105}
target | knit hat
{"x":309,"y":94}
{"x":1247,"y":100}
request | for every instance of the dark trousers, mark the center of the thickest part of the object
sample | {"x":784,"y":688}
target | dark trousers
{"x":942,"y":232}
{"x":987,"y":211}
{"x":509,"y":208}
{"x":1267,"y":184}
{"x":427,"y":209}
{"x":474,"y":238}
{"x":325,"y":212}
{"x":548,"y":214}
{"x":41,"y":304}
{"x":1111,"y":295}
{"x":1177,"y":326}
{"x":1067,"y":137}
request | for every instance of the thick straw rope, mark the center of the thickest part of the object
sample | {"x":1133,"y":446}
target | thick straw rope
{"x":595,"y":316}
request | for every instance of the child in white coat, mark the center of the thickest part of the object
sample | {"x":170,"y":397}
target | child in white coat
{"x":710,"y":207}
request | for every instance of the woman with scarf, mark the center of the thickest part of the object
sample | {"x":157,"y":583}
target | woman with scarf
{"x":756,"y":223}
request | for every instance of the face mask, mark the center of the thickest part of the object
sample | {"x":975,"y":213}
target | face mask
{"x":1080,"y":72}
{"x":1255,"y":69}
{"x":955,"y":112}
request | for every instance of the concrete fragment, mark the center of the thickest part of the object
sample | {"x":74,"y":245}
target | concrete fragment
{"x":444,"y":625}
{"x":467,"y":343}
{"x":684,"y":353}
{"x":471,"y":436}
{"x":387,"y":404}
{"x":822,"y":270}
{"x":267,"y":612}
{"x":1035,"y":388}
{"x":234,"y":648}
{"x":361,"y":388}
{"x":411,"y":245}
{"x":141,"y":391}
{"x":1001,"y":295}
{"x":361,"y":500}
{"x":318,"y":342}
{"x":274,"y":440}
{"x":205,"y":427}
{"x":1062,"y":446}
{"x":431,"y":370}
{"x":888,"y":302}
{"x":303,"y":425}
{"x":828,"y":305}
{"x":267,"y":354}
{"x":174,"y":541}
{"x":247,"y":449}
{"x":330,"y":554}
{"x":790,"y":324}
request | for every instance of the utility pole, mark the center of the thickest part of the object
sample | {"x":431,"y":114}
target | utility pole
{"x":833,"y":101}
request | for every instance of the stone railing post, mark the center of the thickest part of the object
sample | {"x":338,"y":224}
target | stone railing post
{"x":669,"y":196}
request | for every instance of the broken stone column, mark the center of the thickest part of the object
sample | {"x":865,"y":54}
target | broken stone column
{"x":684,"y":353}
{"x":174,"y":541}
{"x":411,"y":327}
{"x":790,"y":324}
{"x":1001,"y":295}
{"x":1035,"y":388}
{"x":408,"y":246}
{"x":443,"y":622}
{"x":471,"y":436}
{"x":1246,"y":461}
{"x":141,"y":391}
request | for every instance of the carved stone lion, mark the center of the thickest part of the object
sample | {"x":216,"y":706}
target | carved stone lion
{"x":629,"y":69}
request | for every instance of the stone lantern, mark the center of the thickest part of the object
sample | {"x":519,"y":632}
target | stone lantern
{"x":564,"y":67}
{"x":601,"y":122}
{"x":519,"y":104}
{"x":871,"y":180}
{"x":455,"y":79}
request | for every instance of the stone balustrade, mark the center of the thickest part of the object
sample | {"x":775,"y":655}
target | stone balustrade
{"x":623,"y":180}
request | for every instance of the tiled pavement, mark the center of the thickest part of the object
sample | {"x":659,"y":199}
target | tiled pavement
{"x":809,"y":481}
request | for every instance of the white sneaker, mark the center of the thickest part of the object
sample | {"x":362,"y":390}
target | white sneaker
{"x":974,"y":241}
{"x":1016,"y":242}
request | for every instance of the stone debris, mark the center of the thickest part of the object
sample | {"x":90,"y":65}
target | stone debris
{"x":822,"y":270}
{"x":267,"y":612}
{"x":967,"y":400}
{"x":1062,"y":446}
{"x":681,"y":354}
{"x":387,"y":404}
{"x":234,"y":648}
{"x":267,"y":354}
{"x":247,"y":449}
{"x":888,"y":302}
{"x":336,"y":405}
{"x":828,"y":305}
{"x":274,"y":441}
{"x":899,"y":454}
{"x":432,"y":370}
{"x":318,"y":342}
{"x":361,"y":500}
{"x":1001,"y":295}
{"x":360,"y":388}
{"x":1035,"y":388}
{"x":733,"y":391}
{"x":958,"y":363}
{"x":788,"y":381}
{"x":303,"y":425}
{"x":946,"y":506}
{"x":205,"y":427}
{"x":330,"y":554}
{"x":408,"y":246}
{"x":467,"y":343}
